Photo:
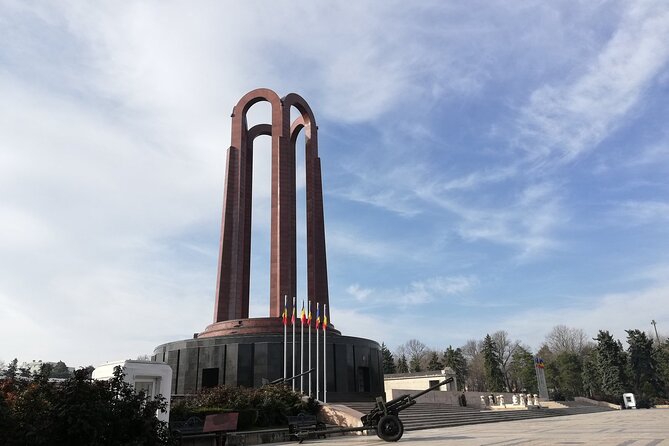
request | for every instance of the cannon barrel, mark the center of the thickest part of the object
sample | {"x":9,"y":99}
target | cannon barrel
{"x":285,"y":380}
{"x":395,"y":406}
{"x":421,"y":393}
{"x":430,"y":389}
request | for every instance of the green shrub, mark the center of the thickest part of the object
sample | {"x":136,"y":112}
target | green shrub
{"x":257,"y":407}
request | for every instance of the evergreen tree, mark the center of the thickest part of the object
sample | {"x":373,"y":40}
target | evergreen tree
{"x":662,"y":354}
{"x":611,"y":362}
{"x":643,"y":364}
{"x":388,"y":360}
{"x":402,"y":366}
{"x":434,"y":363}
{"x":12,"y":368}
{"x":589,"y":375}
{"x":456,"y":361}
{"x":523,"y":377}
{"x":494,"y":378}
{"x":569,"y":379}
{"x":414,"y":365}
{"x":60,"y":370}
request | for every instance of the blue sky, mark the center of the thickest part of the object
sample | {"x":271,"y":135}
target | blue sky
{"x":486,"y":166}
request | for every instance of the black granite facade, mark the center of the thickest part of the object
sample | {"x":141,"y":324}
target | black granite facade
{"x":355,"y":365}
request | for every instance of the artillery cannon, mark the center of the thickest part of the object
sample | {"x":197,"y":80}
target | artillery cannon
{"x":384,"y":417}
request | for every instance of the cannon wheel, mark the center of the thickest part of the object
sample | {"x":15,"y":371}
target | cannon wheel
{"x":390,"y":428}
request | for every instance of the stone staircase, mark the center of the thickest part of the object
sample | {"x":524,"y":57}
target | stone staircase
{"x":432,"y":415}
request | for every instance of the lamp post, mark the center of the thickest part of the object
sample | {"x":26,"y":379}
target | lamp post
{"x":656,"y":335}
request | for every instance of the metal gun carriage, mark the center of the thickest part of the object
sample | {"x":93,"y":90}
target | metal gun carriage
{"x":383,"y":418}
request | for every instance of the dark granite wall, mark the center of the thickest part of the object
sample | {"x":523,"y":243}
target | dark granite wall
{"x":250,"y":360}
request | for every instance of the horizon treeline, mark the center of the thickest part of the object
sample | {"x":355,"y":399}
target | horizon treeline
{"x":574,"y":364}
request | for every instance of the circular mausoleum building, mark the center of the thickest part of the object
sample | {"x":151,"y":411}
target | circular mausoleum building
{"x":353,"y":366}
{"x":241,"y":351}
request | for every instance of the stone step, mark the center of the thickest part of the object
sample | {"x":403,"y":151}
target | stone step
{"x":430,"y":415}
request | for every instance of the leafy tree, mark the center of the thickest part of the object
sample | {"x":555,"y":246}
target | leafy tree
{"x":643,"y":365}
{"x":456,"y":361}
{"x":494,"y":377}
{"x":434,"y":363}
{"x":402,"y":366}
{"x":78,"y":411}
{"x":388,"y":360}
{"x":611,"y":364}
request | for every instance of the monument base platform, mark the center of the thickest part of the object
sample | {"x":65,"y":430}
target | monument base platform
{"x":354,"y":365}
{"x":256,"y":325}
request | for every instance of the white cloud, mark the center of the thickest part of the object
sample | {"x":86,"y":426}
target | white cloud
{"x":565,"y":120}
{"x":527,"y":222}
{"x":643,"y":212}
{"x":358,"y":292}
{"x":353,"y":243}
{"x":416,"y":293}
{"x":615,"y":312}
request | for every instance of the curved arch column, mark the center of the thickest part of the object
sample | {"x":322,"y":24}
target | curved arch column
{"x":233,"y":282}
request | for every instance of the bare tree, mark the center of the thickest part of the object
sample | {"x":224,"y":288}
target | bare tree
{"x":471,"y":349}
{"x":416,"y":353}
{"x":505,"y":350}
{"x":476,"y":371}
{"x":565,"y":339}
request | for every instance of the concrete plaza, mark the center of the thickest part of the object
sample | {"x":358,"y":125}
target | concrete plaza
{"x":641,"y":427}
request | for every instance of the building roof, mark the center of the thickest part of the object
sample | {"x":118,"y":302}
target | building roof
{"x":447,"y":371}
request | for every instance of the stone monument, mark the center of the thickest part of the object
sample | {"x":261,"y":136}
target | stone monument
{"x":242,"y":351}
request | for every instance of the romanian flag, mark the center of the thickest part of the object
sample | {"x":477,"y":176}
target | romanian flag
{"x":325,"y":320}
{"x":292,"y":318}
{"x":539,"y":362}
{"x":303,"y":316}
{"x":284,"y":315}
{"x":309,"y":317}
{"x":318,"y":317}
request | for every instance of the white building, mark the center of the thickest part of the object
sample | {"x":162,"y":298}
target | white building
{"x":402,"y":383}
{"x":152,"y":378}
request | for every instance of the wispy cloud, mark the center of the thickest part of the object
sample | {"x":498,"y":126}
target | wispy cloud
{"x":416,"y":293}
{"x":527,"y":222}
{"x":562,"y":121}
{"x":643,"y":212}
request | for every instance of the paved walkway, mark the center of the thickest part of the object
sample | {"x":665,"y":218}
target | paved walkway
{"x":641,"y":427}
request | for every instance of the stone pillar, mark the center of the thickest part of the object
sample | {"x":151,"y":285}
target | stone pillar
{"x":233,"y":283}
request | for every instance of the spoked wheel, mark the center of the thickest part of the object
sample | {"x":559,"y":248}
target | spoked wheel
{"x":390,"y":428}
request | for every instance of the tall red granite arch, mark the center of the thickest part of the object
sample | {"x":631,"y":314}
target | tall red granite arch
{"x":233,"y":281}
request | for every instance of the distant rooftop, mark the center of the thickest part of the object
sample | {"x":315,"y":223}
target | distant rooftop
{"x":426,"y":374}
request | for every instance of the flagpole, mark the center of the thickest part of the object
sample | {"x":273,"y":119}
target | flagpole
{"x":302,"y":348}
{"x":318,"y":374}
{"x":293,"y":320}
{"x":325,"y":353}
{"x":285,"y":335}
{"x":309,"y":322}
